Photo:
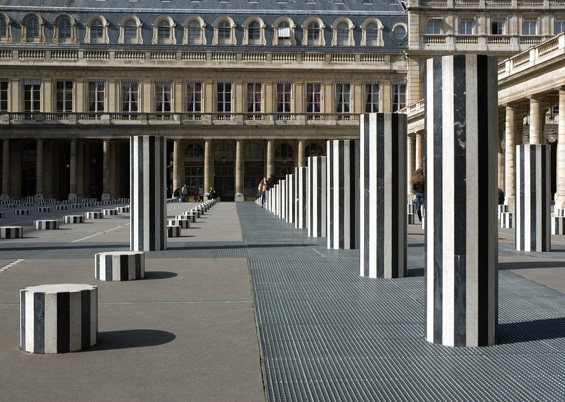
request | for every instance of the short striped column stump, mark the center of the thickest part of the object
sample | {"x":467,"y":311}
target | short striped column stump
{"x":46,"y":224}
{"x":410,"y":219}
{"x":557,"y":225}
{"x":2,"y":215}
{"x":11,"y":232}
{"x":122,"y":210}
{"x":183,"y":223}
{"x":501,"y":209}
{"x":76,"y":206}
{"x":44,"y":209}
{"x":108,"y":212}
{"x":74,"y":219}
{"x":197,"y":212}
{"x":61,"y":207}
{"x":93,"y":215}
{"x":507,"y":220}
{"x":411,"y":207}
{"x":58,"y":318}
{"x":191,"y":215}
{"x":87,"y":205}
{"x":184,"y":218}
{"x":21,"y":212}
{"x":173,"y":231}
{"x":120,"y":265}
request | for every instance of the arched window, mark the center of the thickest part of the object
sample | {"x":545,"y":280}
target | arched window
{"x":32,"y":30}
{"x":193,"y":152}
{"x":194,"y":31}
{"x":284,"y":32}
{"x":96,"y":31}
{"x":254,"y":31}
{"x":372,"y":32}
{"x":164,"y":31}
{"x":5,"y":31}
{"x":130,"y":32}
{"x":224,"y":33}
{"x":65,"y":30}
{"x":224,"y":151}
{"x":313,"y":34}
{"x":254,"y":151}
{"x":3,"y":28}
{"x":284,"y":152}
{"x":343,"y":32}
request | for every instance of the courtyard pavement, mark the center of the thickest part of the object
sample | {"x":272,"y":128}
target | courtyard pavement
{"x":243,"y":307}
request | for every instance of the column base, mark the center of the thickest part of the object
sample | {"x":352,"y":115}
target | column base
{"x":510,"y":202}
{"x":105,"y":197}
{"x":72,"y":196}
{"x":239,"y":197}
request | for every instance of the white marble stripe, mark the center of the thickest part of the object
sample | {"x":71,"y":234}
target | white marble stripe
{"x":29,"y":323}
{"x":51,"y":308}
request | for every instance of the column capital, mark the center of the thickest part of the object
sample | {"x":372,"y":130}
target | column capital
{"x":561,"y":89}
{"x":536,"y":97}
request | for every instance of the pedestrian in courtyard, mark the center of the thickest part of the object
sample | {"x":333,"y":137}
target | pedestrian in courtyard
{"x":272,"y":181}
{"x":418,"y":184}
{"x":177,"y":195}
{"x":201,"y":192}
{"x":263,"y":189}
{"x":184,"y":193}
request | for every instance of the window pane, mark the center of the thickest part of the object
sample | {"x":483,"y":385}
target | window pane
{"x":64,"y":29}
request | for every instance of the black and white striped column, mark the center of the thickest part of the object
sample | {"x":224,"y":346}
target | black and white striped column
{"x":58,"y":318}
{"x":461,"y":94}
{"x":148,"y":207}
{"x":342,"y":194}
{"x":383,"y":223}
{"x":300,"y":192}
{"x":317,"y":192}
{"x":533,"y":198}
{"x":119,"y":265}
{"x":284,"y":199}
{"x":291,"y":198}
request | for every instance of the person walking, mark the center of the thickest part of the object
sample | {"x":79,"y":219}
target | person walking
{"x":184,"y":193}
{"x":419,"y":187}
{"x":201,"y":192}
{"x":263,"y":188}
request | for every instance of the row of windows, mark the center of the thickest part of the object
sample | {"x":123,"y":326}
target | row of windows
{"x":497,"y":27}
{"x":96,"y":97}
{"x":65,"y":31}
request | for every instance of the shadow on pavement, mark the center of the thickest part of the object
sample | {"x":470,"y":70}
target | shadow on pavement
{"x":159,"y":275}
{"x":537,"y":330}
{"x":133,"y":338}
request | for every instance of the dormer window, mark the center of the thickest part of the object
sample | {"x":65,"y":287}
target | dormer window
{"x":194,"y":31}
{"x":284,"y":32}
{"x":164,"y":31}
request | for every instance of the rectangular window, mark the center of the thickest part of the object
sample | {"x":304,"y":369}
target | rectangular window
{"x":284,"y":95}
{"x":434,"y":27}
{"x":64,"y":96}
{"x":465,"y":27}
{"x":559,"y":27}
{"x":130,"y":98}
{"x":398,"y":97}
{"x":342,"y":100}
{"x":372,"y":92}
{"x":3,"y":95}
{"x":32,"y":96}
{"x":223,"y":95}
{"x":96,"y":96}
{"x":497,"y":28}
{"x":163,"y":97}
{"x":529,"y":28}
{"x":313,"y":100}
{"x":254,"y":98}
{"x":194,"y":98}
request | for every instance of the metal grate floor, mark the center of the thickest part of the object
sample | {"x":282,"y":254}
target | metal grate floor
{"x":327,"y":334}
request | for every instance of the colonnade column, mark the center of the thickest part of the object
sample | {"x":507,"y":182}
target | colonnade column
{"x":536,"y":123}
{"x":410,"y":162}
{"x":5,"y":169}
{"x":509,"y":162}
{"x":239,"y":171}
{"x":270,"y":158}
{"x":106,"y":171}
{"x":419,"y":152}
{"x":178,"y":179}
{"x":208,"y":166}
{"x":560,"y":193}
{"x":301,"y":155}
{"x":73,"y":171}
{"x":39,"y":170}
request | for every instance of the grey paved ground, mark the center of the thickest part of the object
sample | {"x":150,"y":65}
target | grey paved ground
{"x":319,"y":332}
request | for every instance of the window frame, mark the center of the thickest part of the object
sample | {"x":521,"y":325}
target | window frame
{"x":372,"y":97}
{"x":343,"y":105}
{"x":187,"y":38}
{"x":313,"y":101}
{"x":283,"y":100}
{"x":230,"y":25}
{"x":291,"y":41}
{"x":130,"y":101}
{"x":64,"y":96}
{"x":158,"y":31}
{"x":33,"y":103}
{"x":161,"y":104}
{"x":306,"y":41}
{"x":95,"y":93}
{"x":337,"y":32}
{"x":88,"y":24}
{"x":398,"y":97}
{"x":193,"y":97}
{"x":225,"y":104}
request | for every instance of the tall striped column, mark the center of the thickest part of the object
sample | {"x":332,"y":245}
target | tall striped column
{"x":342,"y":194}
{"x":533,"y":197}
{"x":316,"y":205}
{"x":284,"y":199}
{"x":300,"y":186}
{"x":382,"y":192}
{"x":291,"y":198}
{"x":461,"y":197}
{"x":148,"y":206}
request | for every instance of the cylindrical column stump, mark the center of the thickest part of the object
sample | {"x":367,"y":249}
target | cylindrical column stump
{"x":109,"y":212}
{"x":461,"y":196}
{"x":58,"y":318}
{"x":93,"y":215}
{"x":11,"y":232}
{"x":73,"y":219}
{"x":46,"y":224}
{"x":119,"y":265}
{"x":173,"y":231}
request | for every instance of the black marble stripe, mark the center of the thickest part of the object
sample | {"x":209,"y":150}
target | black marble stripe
{"x":341,"y":193}
{"x":124,"y":267}
{"x":138,"y":273}
{"x":63,"y":322}
{"x":532,"y":213}
{"x":520,"y":150}
{"x":85,"y":318}
{"x":544,"y":213}
{"x":109,"y":267}
{"x":151,"y":169}
{"x":354,"y":194}
{"x":39,"y":322}
{"x":330,"y":188}
{"x":379,"y":197}
{"x":397,"y":210}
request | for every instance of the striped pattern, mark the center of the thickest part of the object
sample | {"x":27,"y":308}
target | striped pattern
{"x":507,"y":220}
{"x":61,"y":207}
{"x":410,"y":219}
{"x":533,"y":197}
{"x":30,"y":199}
{"x":342,"y":194}
{"x":73,"y":219}
{"x":46,"y":224}
{"x":58,"y":318}
{"x":461,"y":196}
{"x":119,"y":265}
{"x":558,"y":225}
{"x":410,"y":207}
{"x":291,"y":198}
{"x":2,"y":215}
{"x":316,"y":203}
{"x":173,"y":231}
{"x":107,"y":212}
{"x":148,"y":212}
{"x":11,"y":232}
{"x":93,"y":215}
{"x":300,"y":192}
{"x":44,"y":209}
{"x":122,"y":210}
{"x":383,"y":169}
{"x":183,"y":223}
{"x":22,"y":212}
{"x":559,"y":212}
{"x":501,"y":209}
{"x":191,"y":216}
{"x":284,"y":199}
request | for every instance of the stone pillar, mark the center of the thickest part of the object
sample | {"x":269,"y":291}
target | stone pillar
{"x":148,"y":202}
{"x":461,"y":197}
{"x":536,"y":122}
{"x":239,"y":196}
{"x":73,"y":171}
{"x":283,"y":199}
{"x":509,"y":168}
{"x":208,"y":166}
{"x":420,"y":148}
{"x":81,"y":186}
{"x":301,"y":160}
{"x":316,"y":206}
{"x":178,"y":168}
{"x":5,"y":169}
{"x":270,"y":158}
{"x":560,"y":193}
{"x":410,"y":162}
{"x":383,"y":223}
{"x":342,"y":194}
{"x":291,"y":196}
{"x":300,"y":194}
{"x":106,"y":171}
{"x":39,"y":170}
{"x":533,"y":200}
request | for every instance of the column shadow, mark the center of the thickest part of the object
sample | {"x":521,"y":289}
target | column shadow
{"x":528,"y":331}
{"x":133,"y":338}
